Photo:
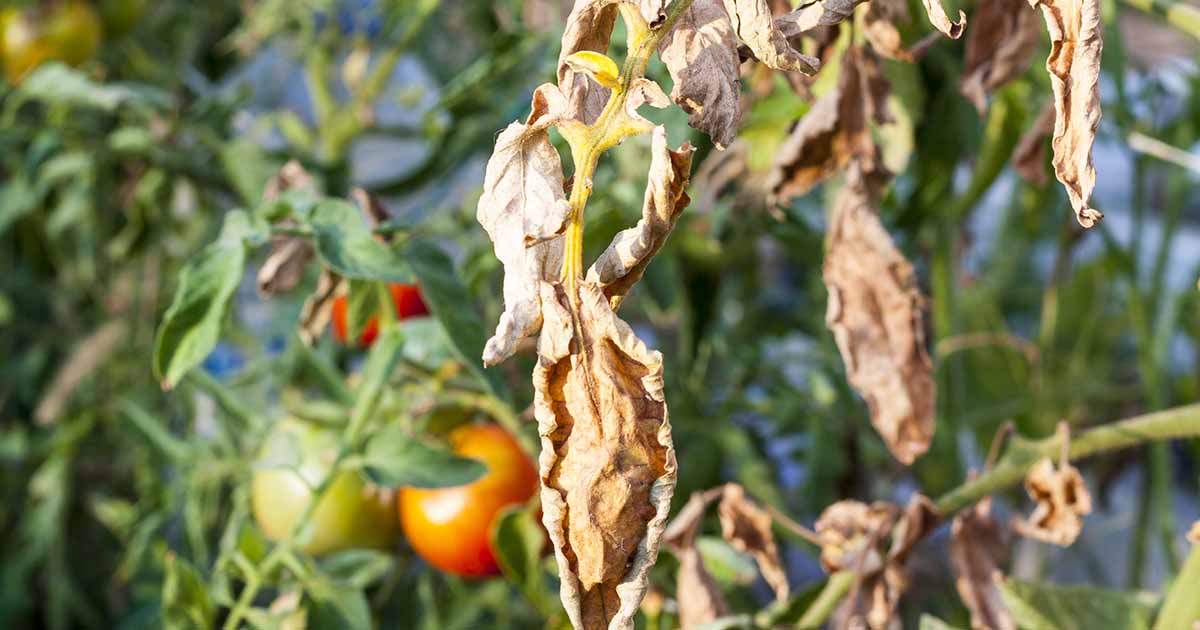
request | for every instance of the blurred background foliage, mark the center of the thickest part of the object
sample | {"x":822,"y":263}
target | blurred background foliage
{"x":122,"y":506}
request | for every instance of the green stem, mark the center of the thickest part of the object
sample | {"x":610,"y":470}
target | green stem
{"x":836,"y":588}
{"x":1180,"y":422}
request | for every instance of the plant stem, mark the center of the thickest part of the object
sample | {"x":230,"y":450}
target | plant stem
{"x":1179,"y":422}
{"x":836,"y":588}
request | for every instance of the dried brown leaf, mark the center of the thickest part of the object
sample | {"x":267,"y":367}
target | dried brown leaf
{"x":284,"y":267}
{"x":1029,"y":158}
{"x":1062,"y":501}
{"x":607,"y":462}
{"x":315,"y":314}
{"x":696,"y":592}
{"x":835,"y":131}
{"x":1000,"y":45}
{"x":940,"y":21}
{"x":524,"y":210}
{"x":976,"y":551}
{"x":875,"y":311}
{"x":1074,"y":67}
{"x":589,"y":27}
{"x":701,"y":53}
{"x":625,"y":260}
{"x":814,"y":15}
{"x":747,"y":527}
{"x":1193,"y":534}
{"x":851,"y":534}
{"x":880,"y":28}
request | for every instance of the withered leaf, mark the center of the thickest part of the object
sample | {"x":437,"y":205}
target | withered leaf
{"x":524,"y":210}
{"x":940,"y":21}
{"x":1062,"y":501}
{"x":696,"y":592}
{"x":315,"y":314}
{"x":589,"y":27}
{"x":747,"y":527}
{"x":1193,"y":534}
{"x":701,"y":55}
{"x":1074,"y":67}
{"x":607,"y":463}
{"x":284,"y":267}
{"x":1029,"y":158}
{"x":976,"y":551}
{"x":1000,"y":45}
{"x":875,"y":311}
{"x":814,"y":15}
{"x":625,"y":260}
{"x":879,"y":28}
{"x":835,"y":131}
{"x":851,"y":534}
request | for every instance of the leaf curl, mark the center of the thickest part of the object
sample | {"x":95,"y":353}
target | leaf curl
{"x":607,"y":463}
{"x":976,"y":550}
{"x":524,"y":210}
{"x":1000,"y":45}
{"x":696,"y":591}
{"x":1062,"y":501}
{"x":747,"y":527}
{"x":1074,"y":67}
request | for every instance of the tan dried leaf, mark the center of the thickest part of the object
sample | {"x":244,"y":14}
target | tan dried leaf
{"x":815,"y":15}
{"x":625,"y":260}
{"x":315,"y":314}
{"x":876,"y":313}
{"x":1074,"y":67}
{"x":701,"y":55}
{"x":607,"y":463}
{"x":1193,"y":534}
{"x":747,"y":527}
{"x":941,"y":21}
{"x":879,"y":28}
{"x":1003,"y":38}
{"x":835,"y":131}
{"x":1062,"y":501}
{"x":852,"y":534}
{"x":524,"y":210}
{"x":976,"y":551}
{"x":1029,"y":158}
{"x":589,"y":27}
{"x":284,"y":267}
{"x":696,"y":592}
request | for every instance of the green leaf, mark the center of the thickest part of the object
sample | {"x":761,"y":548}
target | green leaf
{"x":362,"y":303}
{"x":17,"y":199}
{"x":249,"y":168}
{"x":185,"y":601}
{"x":58,"y":84}
{"x":1182,"y":607}
{"x":192,"y":324}
{"x":1050,"y":607}
{"x":346,"y":245}
{"x":788,"y":613}
{"x":395,"y":458}
{"x":358,"y":568}
{"x":518,"y":540}
{"x":451,"y":304}
{"x":337,"y":606}
{"x":726,"y":564}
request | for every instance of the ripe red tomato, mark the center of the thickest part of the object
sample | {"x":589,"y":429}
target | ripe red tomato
{"x":69,"y":32}
{"x":352,"y":514}
{"x":451,"y":527}
{"x":405,"y":297}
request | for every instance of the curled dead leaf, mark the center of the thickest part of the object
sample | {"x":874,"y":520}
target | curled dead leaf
{"x":835,"y":131}
{"x":814,"y":15}
{"x":1074,"y":67}
{"x":851,"y":535}
{"x":625,"y":260}
{"x":701,"y":53}
{"x":696,"y":592}
{"x":607,"y":463}
{"x":941,"y":21}
{"x":1000,"y":45}
{"x":317,"y":309}
{"x":747,"y":527}
{"x":284,"y":267}
{"x":524,"y":210}
{"x":876,"y":314}
{"x":976,"y":550}
{"x":589,"y":27}
{"x":1062,"y":501}
{"x":1029,"y":158}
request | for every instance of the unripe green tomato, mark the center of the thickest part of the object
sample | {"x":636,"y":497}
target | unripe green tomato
{"x":352,"y":514}
{"x":69,"y":32}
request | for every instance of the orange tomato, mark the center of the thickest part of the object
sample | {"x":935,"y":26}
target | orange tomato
{"x":405,"y":297}
{"x":69,"y":32}
{"x":451,"y":527}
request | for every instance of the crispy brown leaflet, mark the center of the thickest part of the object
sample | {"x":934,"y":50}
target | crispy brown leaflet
{"x":1000,"y":45}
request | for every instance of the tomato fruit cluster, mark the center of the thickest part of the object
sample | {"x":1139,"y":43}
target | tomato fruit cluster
{"x":405,"y":297}
{"x":451,"y":527}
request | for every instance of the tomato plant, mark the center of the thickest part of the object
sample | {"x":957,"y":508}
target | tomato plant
{"x":351,"y":514}
{"x":451,"y":527}
{"x":70,"y":32}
